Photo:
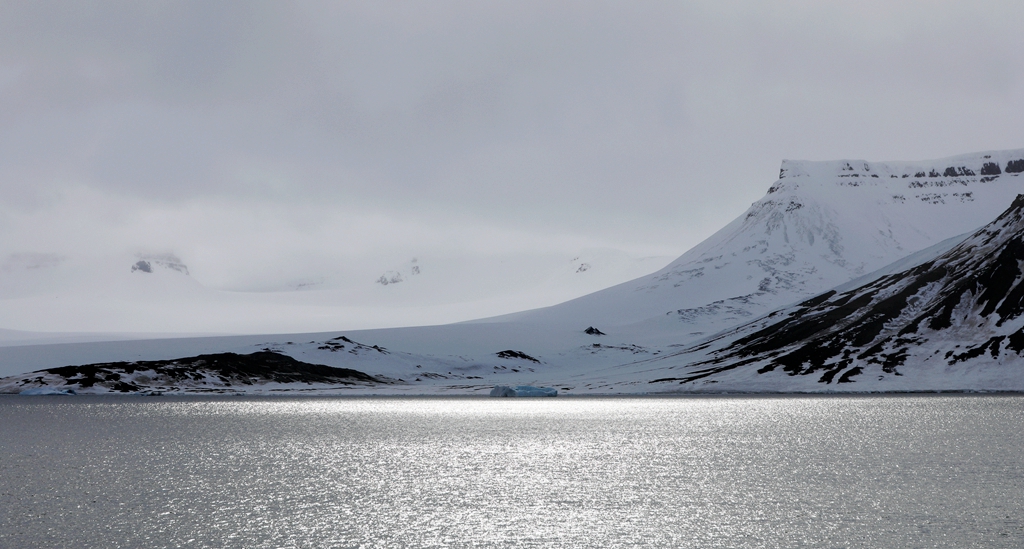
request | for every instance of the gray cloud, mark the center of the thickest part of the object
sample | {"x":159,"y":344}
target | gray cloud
{"x":617,"y":124}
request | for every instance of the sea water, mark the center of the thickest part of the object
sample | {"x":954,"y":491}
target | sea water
{"x":889,"y":471}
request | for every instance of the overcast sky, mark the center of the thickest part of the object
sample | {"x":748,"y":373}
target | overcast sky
{"x":288,"y":136}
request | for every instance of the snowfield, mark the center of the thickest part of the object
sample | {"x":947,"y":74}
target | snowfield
{"x":847,"y":276}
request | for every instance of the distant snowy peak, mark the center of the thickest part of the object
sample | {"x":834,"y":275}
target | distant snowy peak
{"x":400,"y":274}
{"x":980,"y":165}
{"x":149,"y":263}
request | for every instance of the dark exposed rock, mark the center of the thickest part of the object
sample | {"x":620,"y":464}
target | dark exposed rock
{"x":848,"y":376}
{"x":1015,"y":166}
{"x":509,"y":353}
{"x":885,"y":320}
{"x":990,"y":168}
{"x":953,"y":171}
{"x":593,"y":331}
{"x":227,"y":368}
{"x":355,"y":348}
{"x":389,"y":278}
{"x":991,"y":345}
{"x":147,"y":263}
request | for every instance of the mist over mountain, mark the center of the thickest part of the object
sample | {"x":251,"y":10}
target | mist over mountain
{"x":164,"y":293}
{"x":895,"y":285}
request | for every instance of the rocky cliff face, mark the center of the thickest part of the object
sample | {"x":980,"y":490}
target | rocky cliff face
{"x":955,"y":170}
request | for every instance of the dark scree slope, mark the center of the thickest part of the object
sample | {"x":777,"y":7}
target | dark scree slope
{"x":963,"y":306}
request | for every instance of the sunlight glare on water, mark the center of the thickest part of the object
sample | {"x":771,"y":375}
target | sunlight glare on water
{"x":389,"y":472}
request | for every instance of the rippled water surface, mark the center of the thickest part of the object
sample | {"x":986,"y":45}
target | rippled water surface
{"x":899,"y":471}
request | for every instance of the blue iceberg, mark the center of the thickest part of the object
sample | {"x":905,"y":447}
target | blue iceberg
{"x":523,"y":391}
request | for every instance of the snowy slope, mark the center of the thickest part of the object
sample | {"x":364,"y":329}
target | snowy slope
{"x":955,"y":321}
{"x":852,"y":226}
{"x":820,"y":224}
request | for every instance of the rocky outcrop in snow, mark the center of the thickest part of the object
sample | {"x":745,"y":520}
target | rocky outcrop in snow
{"x":944,"y":172}
{"x":222,"y":372}
{"x":957,"y":315}
{"x":147,"y":263}
{"x":395,"y":276}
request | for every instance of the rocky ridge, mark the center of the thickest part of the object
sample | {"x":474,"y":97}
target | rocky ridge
{"x":949,"y":315}
{"x":213,"y":373}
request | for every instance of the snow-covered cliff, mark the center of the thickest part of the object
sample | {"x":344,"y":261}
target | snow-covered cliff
{"x":819,"y":225}
{"x":954,"y":321}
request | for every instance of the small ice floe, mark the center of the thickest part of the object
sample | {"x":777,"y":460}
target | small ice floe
{"x":523,"y":391}
{"x":36,"y":391}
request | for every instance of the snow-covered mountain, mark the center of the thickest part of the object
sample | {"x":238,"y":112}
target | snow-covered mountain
{"x":882,"y":245}
{"x":160,"y":294}
{"x":952,"y":321}
{"x":819,"y":225}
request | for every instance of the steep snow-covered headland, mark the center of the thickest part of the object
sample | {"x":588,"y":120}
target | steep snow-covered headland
{"x":954,"y":320}
{"x":847,"y":276}
{"x":820,"y":224}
